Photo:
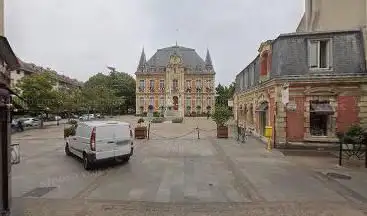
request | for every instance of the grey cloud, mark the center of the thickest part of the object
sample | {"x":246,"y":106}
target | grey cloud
{"x":80,"y":38}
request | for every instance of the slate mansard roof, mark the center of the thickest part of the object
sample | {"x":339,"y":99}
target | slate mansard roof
{"x":190,"y":60}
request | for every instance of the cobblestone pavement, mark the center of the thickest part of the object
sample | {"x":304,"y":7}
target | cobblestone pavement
{"x":174,"y":173}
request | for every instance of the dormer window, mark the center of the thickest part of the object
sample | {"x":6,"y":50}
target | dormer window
{"x":319,"y":54}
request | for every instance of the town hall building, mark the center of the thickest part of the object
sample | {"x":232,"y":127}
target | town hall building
{"x":175,"y":78}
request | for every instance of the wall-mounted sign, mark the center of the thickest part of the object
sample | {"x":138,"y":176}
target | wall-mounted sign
{"x":230,"y":103}
{"x":292,"y":106}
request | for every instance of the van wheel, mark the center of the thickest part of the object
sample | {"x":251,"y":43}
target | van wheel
{"x":86,"y":163}
{"x":67,"y":150}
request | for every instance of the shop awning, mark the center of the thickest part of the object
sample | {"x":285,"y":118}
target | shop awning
{"x":262,"y":108}
{"x":322,"y":108}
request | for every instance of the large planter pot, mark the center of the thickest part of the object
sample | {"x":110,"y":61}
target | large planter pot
{"x":222,"y":132}
{"x":140,"y":132}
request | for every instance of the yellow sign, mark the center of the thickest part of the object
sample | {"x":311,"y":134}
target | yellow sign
{"x":268,"y":131}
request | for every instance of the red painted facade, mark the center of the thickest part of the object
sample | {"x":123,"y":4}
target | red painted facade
{"x":295,"y":121}
{"x":347,"y":112}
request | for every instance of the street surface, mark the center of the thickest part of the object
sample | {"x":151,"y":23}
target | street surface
{"x":174,"y":173}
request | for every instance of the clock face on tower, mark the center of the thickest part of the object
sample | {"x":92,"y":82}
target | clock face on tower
{"x":175,"y":59}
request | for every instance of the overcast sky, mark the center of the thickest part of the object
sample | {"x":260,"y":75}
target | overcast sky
{"x":80,"y":38}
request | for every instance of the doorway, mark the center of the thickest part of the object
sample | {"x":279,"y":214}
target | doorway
{"x":175,"y":102}
{"x":263,"y":117}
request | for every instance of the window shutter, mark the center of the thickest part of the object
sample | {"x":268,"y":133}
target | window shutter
{"x":313,"y":54}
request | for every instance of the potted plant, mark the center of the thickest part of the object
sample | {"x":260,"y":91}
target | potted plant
{"x":140,"y":130}
{"x":221,"y":116}
{"x":188,"y":109}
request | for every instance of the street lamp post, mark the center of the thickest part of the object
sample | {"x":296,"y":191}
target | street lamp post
{"x":5,"y":139}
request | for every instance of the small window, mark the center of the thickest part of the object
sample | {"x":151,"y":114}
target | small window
{"x":18,"y":71}
{"x":319,"y":54}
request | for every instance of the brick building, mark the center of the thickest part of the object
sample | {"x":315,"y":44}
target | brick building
{"x":324,"y":75}
{"x":175,"y":77}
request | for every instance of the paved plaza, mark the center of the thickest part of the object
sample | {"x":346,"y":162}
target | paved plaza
{"x":175,"y":173}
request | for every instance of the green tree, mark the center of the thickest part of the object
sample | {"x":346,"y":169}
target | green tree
{"x":39,"y":93}
{"x":224,"y":93}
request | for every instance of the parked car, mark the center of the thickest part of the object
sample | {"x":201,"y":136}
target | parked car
{"x":30,"y":122}
{"x":96,"y":141}
{"x":87,"y":117}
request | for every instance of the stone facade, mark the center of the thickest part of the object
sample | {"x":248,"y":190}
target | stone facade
{"x":177,"y":78}
{"x":326,"y":94}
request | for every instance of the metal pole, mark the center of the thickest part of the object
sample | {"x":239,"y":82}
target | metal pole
{"x":5,"y":140}
{"x":148,"y":130}
{"x":340,"y":153}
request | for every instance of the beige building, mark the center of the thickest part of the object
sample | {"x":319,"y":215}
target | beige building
{"x":2,"y":22}
{"x":334,"y":15}
{"x":27,"y":69}
{"x":175,"y":78}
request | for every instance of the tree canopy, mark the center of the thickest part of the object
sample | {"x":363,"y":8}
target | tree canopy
{"x":102,"y":93}
{"x":224,"y":93}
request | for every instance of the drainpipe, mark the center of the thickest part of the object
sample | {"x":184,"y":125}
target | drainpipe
{"x":5,"y":191}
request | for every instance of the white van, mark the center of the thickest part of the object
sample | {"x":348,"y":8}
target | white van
{"x":100,"y":140}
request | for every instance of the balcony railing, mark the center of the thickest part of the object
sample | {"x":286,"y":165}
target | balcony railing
{"x":188,"y":89}
{"x":141,"y":89}
{"x":151,"y":89}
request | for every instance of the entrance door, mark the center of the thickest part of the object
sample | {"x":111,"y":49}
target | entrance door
{"x":263,"y":117}
{"x":175,"y":102}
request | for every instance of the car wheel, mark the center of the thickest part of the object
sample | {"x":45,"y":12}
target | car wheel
{"x":86,"y":163}
{"x":67,"y":150}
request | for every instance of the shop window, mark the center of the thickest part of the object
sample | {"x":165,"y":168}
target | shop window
{"x":320,"y":121}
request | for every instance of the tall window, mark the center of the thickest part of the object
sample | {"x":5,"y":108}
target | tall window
{"x":246,"y":79}
{"x":151,"y":101}
{"x":319,"y":54}
{"x":161,"y":84}
{"x":151,"y":84}
{"x":198,"y":84}
{"x":188,"y":83}
{"x":209,"y":102}
{"x":161,"y":101}
{"x":188,"y":101}
{"x":142,"y":84}
{"x":141,"y":101}
{"x":175,"y":84}
{"x":264,"y":64}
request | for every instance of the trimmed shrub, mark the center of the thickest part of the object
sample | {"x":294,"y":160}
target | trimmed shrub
{"x":158,"y":120}
{"x":141,"y":120}
{"x":177,"y":120}
{"x":156,"y":114}
{"x":145,"y":114}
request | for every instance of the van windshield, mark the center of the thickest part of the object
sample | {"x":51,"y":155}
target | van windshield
{"x":120,"y":132}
